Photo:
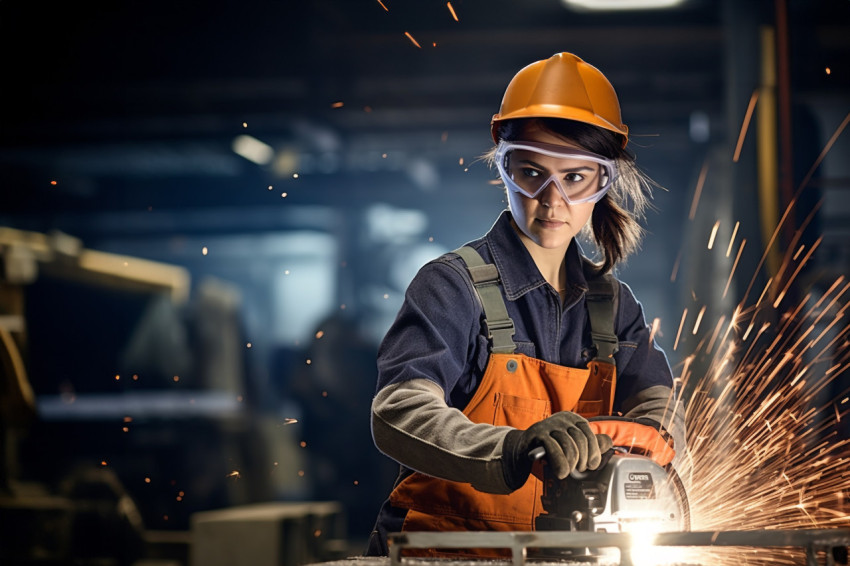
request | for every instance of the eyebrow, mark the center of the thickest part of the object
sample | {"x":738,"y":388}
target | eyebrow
{"x":568,"y":170}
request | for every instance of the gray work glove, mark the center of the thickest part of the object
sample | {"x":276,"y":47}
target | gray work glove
{"x":569,"y":442}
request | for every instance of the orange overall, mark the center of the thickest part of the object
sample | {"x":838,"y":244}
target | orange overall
{"x":516,"y":391}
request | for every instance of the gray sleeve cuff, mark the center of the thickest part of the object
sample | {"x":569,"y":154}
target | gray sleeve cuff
{"x":412,"y":424}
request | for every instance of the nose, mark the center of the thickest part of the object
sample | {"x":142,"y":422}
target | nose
{"x":551,"y":195}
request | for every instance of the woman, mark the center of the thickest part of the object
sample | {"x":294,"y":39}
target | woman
{"x":492,"y":353}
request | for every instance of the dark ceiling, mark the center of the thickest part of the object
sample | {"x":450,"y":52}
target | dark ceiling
{"x":132,"y":104}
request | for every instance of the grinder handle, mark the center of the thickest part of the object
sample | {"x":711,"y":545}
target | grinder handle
{"x":536,"y":453}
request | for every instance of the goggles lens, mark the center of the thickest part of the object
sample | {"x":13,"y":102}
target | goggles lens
{"x":580,"y":176}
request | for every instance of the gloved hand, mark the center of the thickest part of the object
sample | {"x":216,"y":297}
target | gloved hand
{"x":569,"y":443}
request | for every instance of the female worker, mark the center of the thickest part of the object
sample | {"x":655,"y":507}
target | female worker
{"x":513,"y":341}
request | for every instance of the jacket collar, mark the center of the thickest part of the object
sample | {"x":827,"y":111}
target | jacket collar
{"x":518,"y":271}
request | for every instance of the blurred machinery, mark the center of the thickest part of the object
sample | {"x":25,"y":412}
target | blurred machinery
{"x":121,"y":404}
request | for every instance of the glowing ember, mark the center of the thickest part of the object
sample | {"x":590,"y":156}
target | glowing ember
{"x":413,"y":41}
{"x":452,"y":10}
{"x":713,"y":234}
{"x":679,"y":332}
{"x":337,"y":104}
{"x":700,"y":182}
{"x":743,"y":134}
{"x":319,"y":334}
{"x":732,"y":239}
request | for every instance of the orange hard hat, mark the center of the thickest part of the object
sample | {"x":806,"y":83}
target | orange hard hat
{"x":562,"y":86}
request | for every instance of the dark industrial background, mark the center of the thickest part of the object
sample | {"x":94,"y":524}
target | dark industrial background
{"x":249,"y":378}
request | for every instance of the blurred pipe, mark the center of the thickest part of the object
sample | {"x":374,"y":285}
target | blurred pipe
{"x":783,"y":93}
{"x":768,"y":184}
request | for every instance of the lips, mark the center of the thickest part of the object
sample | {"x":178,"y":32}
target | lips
{"x":550,"y":222}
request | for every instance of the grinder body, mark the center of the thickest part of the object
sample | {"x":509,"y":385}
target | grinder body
{"x":627,"y":492}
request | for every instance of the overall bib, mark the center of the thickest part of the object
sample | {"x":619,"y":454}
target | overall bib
{"x":517,"y":391}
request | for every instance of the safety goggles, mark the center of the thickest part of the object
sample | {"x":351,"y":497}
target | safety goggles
{"x":528,"y":167}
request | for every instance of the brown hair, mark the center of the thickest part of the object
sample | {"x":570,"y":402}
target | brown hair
{"x":614,"y":226}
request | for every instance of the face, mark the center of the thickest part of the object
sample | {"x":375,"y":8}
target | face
{"x":547,"y":220}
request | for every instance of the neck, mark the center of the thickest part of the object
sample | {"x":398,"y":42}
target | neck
{"x":550,"y":261}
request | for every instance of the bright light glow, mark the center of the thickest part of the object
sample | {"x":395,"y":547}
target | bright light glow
{"x":621,"y":4}
{"x":643,"y":551}
{"x":253,"y":149}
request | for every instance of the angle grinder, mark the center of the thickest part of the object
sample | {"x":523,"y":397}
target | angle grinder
{"x":634,"y":489}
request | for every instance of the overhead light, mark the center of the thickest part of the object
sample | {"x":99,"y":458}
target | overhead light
{"x":253,"y":149}
{"x":612,"y":5}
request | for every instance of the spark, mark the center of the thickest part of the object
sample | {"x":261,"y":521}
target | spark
{"x":204,"y":251}
{"x":452,"y":10}
{"x":656,"y":324}
{"x":412,"y":40}
{"x":734,"y":266}
{"x":338,"y":104}
{"x":828,"y":71}
{"x":699,"y":319}
{"x":675,"y":267}
{"x":713,"y":234}
{"x":732,"y":239}
{"x":319,"y":334}
{"x":234,"y":474}
{"x":289,"y":421}
{"x":747,"y":117}
{"x":382,"y":6}
{"x":823,"y":153}
{"x":698,"y":190}
{"x":679,"y":332}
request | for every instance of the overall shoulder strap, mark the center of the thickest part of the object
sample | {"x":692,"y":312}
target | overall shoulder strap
{"x":486,"y":279}
{"x":602,"y":302}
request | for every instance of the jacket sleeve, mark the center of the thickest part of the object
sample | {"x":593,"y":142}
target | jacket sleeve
{"x":412,"y":424}
{"x":425,"y":354}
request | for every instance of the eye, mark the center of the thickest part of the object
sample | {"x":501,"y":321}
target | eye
{"x":574,"y":178}
{"x":530,"y":172}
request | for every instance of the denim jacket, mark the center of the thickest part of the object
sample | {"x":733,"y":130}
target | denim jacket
{"x":438,"y":333}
